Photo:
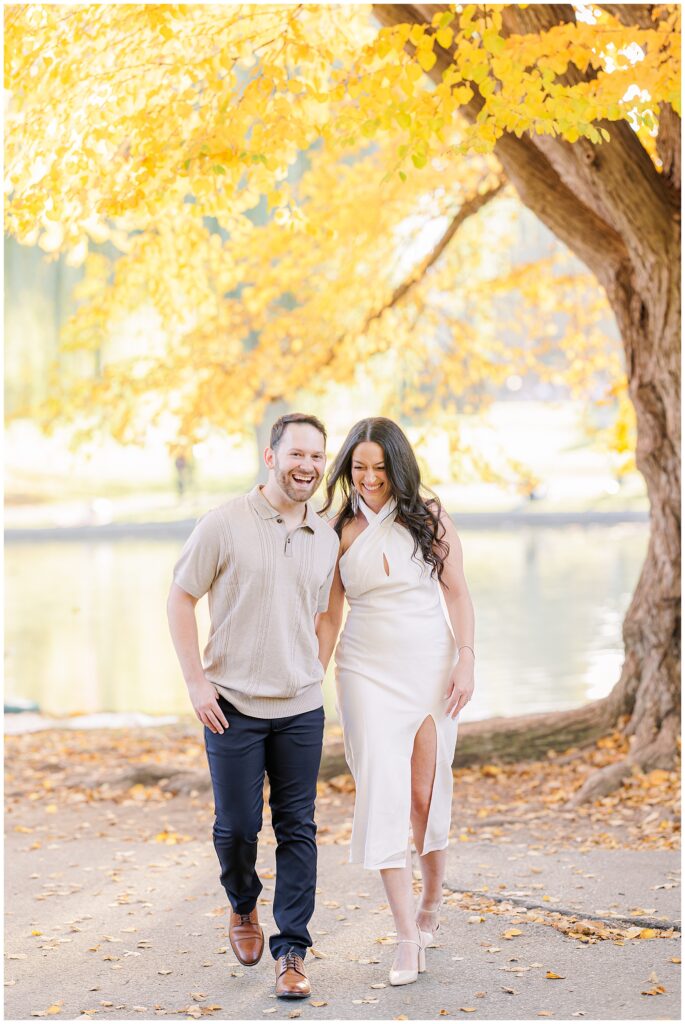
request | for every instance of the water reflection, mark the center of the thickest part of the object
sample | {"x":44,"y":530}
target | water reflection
{"x":86,"y":622}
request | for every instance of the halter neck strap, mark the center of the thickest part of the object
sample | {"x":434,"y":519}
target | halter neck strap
{"x":371,"y":516}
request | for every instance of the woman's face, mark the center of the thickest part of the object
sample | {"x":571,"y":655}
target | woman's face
{"x":369,"y":475}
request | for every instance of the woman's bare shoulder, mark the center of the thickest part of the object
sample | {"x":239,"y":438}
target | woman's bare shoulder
{"x":350,"y":531}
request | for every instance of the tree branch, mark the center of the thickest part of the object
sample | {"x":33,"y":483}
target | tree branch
{"x":577,"y":190}
{"x":597,"y":173}
{"x":639,"y":15}
{"x":468,"y":209}
{"x":535,"y":179}
{"x":668,"y":145}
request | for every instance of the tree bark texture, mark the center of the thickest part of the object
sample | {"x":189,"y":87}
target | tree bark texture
{"x":621,"y":216}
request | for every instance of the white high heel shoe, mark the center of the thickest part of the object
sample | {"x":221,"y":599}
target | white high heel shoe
{"x":406,"y":977}
{"x":428,"y":937}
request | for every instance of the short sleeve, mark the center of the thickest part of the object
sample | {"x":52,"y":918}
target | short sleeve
{"x":325,"y":590}
{"x":200,"y":559}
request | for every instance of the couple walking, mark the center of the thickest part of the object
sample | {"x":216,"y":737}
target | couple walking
{"x":276,"y":575}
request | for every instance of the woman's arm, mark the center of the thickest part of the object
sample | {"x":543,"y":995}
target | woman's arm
{"x":328,"y":622}
{"x":461,"y":616}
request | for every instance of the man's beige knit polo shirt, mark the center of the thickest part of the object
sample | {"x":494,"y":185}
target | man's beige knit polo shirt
{"x":265,"y":586}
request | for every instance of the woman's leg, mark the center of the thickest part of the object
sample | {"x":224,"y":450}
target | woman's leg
{"x":432,"y":864}
{"x":398,"y":888}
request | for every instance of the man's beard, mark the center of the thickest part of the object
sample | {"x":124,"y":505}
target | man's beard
{"x":289,"y":487}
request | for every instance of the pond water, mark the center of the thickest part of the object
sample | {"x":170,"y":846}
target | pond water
{"x":86,"y":620}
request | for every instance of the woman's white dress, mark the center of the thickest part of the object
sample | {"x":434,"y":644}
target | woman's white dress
{"x":393,"y":664}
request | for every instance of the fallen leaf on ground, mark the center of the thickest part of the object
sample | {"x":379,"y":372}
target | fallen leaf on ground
{"x":467,"y":1009}
{"x":317,"y":953}
{"x":555,"y":977}
{"x":318,"y":1002}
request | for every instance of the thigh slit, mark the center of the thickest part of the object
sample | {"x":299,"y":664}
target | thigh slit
{"x":427,"y":736}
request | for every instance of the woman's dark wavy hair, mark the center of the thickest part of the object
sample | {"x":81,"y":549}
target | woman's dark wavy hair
{"x":418,"y":515}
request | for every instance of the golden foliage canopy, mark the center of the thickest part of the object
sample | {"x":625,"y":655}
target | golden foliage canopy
{"x":274,"y":187}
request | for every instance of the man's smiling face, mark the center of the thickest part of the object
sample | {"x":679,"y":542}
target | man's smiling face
{"x":299,"y":460}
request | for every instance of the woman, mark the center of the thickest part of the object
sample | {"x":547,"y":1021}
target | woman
{"x":401,"y":678}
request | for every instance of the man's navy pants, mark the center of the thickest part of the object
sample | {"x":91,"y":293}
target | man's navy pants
{"x":288,"y":750}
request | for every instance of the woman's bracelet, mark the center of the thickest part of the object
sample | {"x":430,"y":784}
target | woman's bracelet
{"x":466,"y":647}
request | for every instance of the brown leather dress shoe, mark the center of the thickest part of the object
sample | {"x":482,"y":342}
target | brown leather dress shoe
{"x":246,"y":938}
{"x":291,"y":980}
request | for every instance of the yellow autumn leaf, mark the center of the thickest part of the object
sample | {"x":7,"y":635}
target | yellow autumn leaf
{"x":426,"y":59}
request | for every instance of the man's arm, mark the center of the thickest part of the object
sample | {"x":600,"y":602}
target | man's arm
{"x":183,"y":628}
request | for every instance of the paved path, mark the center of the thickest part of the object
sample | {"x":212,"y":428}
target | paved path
{"x":102,"y":918}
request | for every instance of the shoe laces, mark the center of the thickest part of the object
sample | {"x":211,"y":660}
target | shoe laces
{"x":245,"y":919}
{"x":291,"y":959}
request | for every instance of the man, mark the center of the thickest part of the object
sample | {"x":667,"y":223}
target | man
{"x":266,"y":560}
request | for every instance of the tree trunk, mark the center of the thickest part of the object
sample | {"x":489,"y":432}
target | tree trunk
{"x":621,"y":217}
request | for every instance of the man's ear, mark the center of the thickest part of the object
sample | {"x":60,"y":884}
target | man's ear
{"x":269,"y":458}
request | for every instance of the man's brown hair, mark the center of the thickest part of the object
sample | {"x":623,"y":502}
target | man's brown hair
{"x":282,"y":422}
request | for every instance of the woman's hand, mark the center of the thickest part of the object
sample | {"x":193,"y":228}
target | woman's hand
{"x":460,"y":685}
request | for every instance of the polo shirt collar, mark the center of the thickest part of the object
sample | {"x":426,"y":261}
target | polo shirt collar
{"x":267,"y":511}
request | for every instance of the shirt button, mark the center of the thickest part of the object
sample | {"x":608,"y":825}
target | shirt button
{"x":279,"y":520}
